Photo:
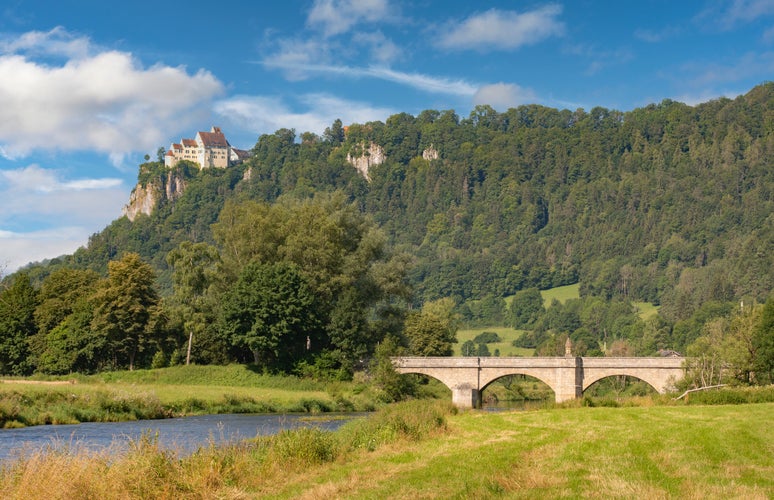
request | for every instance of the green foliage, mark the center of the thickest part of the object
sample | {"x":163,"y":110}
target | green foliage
{"x":526,"y":308}
{"x":487,"y":338}
{"x":432,"y":331}
{"x":125,"y":309}
{"x":667,"y":204}
{"x":17,"y":325}
{"x":271,"y":312}
{"x":391,"y":385}
{"x":763,"y":344}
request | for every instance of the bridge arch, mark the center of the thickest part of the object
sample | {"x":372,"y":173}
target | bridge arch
{"x":532,"y":377}
{"x":588,"y":383}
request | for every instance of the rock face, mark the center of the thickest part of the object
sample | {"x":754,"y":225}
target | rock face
{"x":145,"y":198}
{"x":430,"y":153}
{"x":374,"y":155}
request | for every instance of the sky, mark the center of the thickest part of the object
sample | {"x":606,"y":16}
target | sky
{"x":88,"y":87}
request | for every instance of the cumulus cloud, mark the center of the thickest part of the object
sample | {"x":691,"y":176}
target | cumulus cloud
{"x":504,"y":30}
{"x":502,"y":96}
{"x":94,"y":100}
{"x":335,"y":17}
{"x":264,"y":114}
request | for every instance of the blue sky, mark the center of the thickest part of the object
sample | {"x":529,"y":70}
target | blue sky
{"x":88,"y":88}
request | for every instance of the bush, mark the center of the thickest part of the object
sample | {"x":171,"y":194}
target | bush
{"x":487,"y":338}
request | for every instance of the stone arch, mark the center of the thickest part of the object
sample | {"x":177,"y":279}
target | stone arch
{"x":538,"y":376}
{"x":492,"y":380}
{"x":603,"y":377}
{"x":655,"y":382}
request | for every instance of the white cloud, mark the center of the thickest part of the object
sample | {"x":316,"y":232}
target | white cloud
{"x":19,"y":249}
{"x":729,"y":14}
{"x":34,"y":199}
{"x":55,"y":42}
{"x":599,"y":58}
{"x":106,"y":101}
{"x":264,"y":114}
{"x":294,"y":54}
{"x":751,"y":65}
{"x":502,"y":96}
{"x":382,"y":49}
{"x":704,"y":96}
{"x":656,"y":36}
{"x":335,"y":17}
{"x":418,"y":81}
{"x":506,"y":30}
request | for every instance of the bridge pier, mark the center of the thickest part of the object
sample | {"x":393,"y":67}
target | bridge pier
{"x":465,"y":396}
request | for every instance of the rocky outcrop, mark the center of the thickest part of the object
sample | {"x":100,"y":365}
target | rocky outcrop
{"x":430,"y":153}
{"x":145,"y":198}
{"x":367,"y":158}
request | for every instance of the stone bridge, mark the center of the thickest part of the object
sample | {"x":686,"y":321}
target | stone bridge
{"x":568,"y":377}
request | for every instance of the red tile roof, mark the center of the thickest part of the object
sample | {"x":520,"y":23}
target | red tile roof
{"x":213,"y":139}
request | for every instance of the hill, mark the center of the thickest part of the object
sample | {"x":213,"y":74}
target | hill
{"x":668,"y":204}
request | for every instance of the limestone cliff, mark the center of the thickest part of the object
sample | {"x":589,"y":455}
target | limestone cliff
{"x":430,"y":153}
{"x":363,"y":159}
{"x":146,"y":196}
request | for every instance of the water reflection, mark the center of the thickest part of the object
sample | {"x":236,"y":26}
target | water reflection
{"x":182,"y":435}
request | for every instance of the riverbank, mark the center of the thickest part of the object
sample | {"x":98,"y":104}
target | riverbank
{"x":428,"y":450}
{"x":174,"y":392}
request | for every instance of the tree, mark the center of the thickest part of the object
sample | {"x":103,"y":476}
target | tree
{"x":763,"y":343}
{"x":342,"y":255}
{"x":195,"y":273}
{"x":65,"y":342}
{"x":526,"y":308}
{"x":270,"y":311}
{"x":335,"y":133}
{"x":432,"y":331}
{"x":392,"y":385}
{"x":17,"y":325}
{"x":126,"y":308}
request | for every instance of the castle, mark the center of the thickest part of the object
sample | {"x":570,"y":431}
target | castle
{"x":208,"y":149}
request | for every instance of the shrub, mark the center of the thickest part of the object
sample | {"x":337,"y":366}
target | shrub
{"x":487,"y":338}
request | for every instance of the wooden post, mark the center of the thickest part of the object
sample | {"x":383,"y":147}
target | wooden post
{"x":188,"y":355}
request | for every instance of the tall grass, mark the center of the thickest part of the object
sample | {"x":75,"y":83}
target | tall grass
{"x":147,"y":471}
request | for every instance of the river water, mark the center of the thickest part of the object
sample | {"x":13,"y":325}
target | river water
{"x":182,"y":435}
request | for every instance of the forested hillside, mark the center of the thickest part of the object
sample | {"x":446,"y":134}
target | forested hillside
{"x":669,"y":204}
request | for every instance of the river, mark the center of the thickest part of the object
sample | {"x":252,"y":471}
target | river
{"x":182,"y":435}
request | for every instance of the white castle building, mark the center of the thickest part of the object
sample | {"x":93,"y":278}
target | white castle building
{"x":208,"y":149}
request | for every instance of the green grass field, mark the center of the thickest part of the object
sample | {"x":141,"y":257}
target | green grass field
{"x":175,"y":391}
{"x":508,"y":335}
{"x":646,"y":310}
{"x":656,"y":452}
{"x":426,"y":450}
{"x":560,"y":293}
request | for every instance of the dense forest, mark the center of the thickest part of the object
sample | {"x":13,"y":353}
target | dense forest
{"x":667,"y":204}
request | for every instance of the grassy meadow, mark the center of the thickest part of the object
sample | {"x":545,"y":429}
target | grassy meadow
{"x":176,"y":391}
{"x":424,"y":449}
{"x":507,"y":336}
{"x":561,"y":294}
